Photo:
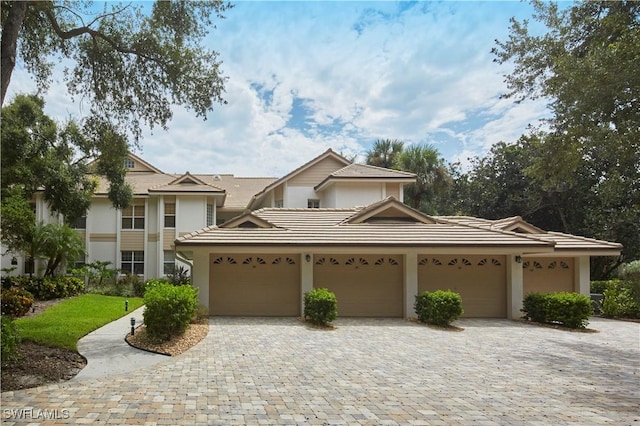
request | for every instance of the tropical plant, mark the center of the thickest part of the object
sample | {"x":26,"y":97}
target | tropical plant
{"x":432,"y":175}
{"x":384,"y":152}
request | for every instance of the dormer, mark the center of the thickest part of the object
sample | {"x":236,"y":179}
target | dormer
{"x":516,"y":224}
{"x":389,"y":210}
{"x":247,"y":221}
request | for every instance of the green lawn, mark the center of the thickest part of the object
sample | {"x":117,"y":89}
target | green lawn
{"x":62,"y":325}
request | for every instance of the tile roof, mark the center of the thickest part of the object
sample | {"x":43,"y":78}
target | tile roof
{"x":563,"y":242}
{"x":322,"y":227}
{"x":364,"y":171}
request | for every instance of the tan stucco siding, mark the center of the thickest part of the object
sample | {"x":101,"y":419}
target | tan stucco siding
{"x":364,"y":285}
{"x":393,"y":190}
{"x":254,"y":284}
{"x":548,"y":274}
{"x":132,"y":240}
{"x":168,"y":237}
{"x":480,"y":281}
{"x":316,"y":173}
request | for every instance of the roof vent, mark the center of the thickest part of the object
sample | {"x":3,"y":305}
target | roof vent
{"x":216,"y":177}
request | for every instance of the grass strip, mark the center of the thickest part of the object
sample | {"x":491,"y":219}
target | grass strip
{"x":63,"y":324}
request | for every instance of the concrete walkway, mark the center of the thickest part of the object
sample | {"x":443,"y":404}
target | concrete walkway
{"x":108,"y":354}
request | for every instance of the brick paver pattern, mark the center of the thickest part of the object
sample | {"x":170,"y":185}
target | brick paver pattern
{"x":279,"y":371}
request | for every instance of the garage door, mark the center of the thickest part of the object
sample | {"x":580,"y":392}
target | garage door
{"x":254,"y":285}
{"x":481,"y":282}
{"x":548,"y":275}
{"x":365,"y":286}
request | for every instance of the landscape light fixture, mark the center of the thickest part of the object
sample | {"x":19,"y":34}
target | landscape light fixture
{"x":133,"y":325}
{"x":126,"y":305}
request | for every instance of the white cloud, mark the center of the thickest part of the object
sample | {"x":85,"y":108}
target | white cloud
{"x":421,"y":72}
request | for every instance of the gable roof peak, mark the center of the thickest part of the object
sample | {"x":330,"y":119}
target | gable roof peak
{"x":389,"y":209}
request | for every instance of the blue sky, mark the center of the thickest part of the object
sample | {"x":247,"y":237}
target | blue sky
{"x":307,"y":76}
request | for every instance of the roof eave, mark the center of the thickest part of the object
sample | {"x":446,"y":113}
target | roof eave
{"x":332,"y":179}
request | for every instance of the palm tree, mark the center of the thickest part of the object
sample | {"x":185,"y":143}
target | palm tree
{"x":58,"y":243}
{"x":383,"y":152}
{"x":432,"y":176}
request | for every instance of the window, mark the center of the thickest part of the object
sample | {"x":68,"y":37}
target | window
{"x":29,"y":266}
{"x":132,"y":262}
{"x":169,"y":215}
{"x":80,"y":223}
{"x":209,"y":214}
{"x":133,"y":217}
{"x":313,"y":204}
{"x":128,"y":163}
{"x":169,"y":262}
{"x":279,"y":203}
{"x":79,"y":262}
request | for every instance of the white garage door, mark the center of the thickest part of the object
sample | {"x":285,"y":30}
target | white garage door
{"x":481,"y":281}
{"x":364,"y":285}
{"x":254,"y":285}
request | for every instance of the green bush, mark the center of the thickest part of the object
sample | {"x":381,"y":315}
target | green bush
{"x":534,"y":307}
{"x":439,"y":307}
{"x":154,"y":282}
{"x":53,"y":288}
{"x":630,"y":271}
{"x":599,"y":287}
{"x":16,"y":302}
{"x":621,"y":300}
{"x":130,"y":285}
{"x":320,"y":306}
{"x":169,"y":310}
{"x":9,"y":339}
{"x":569,"y":309}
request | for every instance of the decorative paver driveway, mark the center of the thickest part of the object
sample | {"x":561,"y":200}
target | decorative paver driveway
{"x":279,"y":371}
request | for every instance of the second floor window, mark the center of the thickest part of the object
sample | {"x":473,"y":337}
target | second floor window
{"x":169,"y":215}
{"x":209,"y":214}
{"x":133,"y":217}
{"x":313,"y":204}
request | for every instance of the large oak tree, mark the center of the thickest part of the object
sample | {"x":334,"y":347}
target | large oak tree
{"x":128,"y":62}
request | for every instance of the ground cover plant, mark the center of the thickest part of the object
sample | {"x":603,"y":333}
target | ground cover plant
{"x":65,"y":323}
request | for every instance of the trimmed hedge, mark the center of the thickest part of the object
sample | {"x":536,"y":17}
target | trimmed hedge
{"x":439,"y":307}
{"x":320,"y":306}
{"x":16,"y":302}
{"x":569,"y":309}
{"x":169,"y":310}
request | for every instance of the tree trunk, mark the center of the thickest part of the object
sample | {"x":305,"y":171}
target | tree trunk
{"x":9,"y":43}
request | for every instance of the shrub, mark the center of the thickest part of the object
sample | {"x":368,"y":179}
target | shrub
{"x":9,"y":339}
{"x":179,"y":276}
{"x":169,"y":310}
{"x":534,"y":307}
{"x":320,"y":306}
{"x":630,"y":271}
{"x":53,"y":288}
{"x":569,"y":309}
{"x":599,"y":287}
{"x":439,"y":307}
{"x":16,"y":302}
{"x":129,"y":285}
{"x":619,"y":300}
{"x":154,"y":282}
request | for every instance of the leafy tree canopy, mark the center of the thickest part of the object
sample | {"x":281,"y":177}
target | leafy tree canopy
{"x":127,"y":63}
{"x":383,"y":152}
{"x":37,"y":155}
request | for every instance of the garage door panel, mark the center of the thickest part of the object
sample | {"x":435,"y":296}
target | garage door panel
{"x":548,"y":275}
{"x":255,"y":285}
{"x":480,"y":281}
{"x":364,"y":285}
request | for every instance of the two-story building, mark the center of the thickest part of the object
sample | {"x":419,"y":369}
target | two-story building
{"x":256,"y":245}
